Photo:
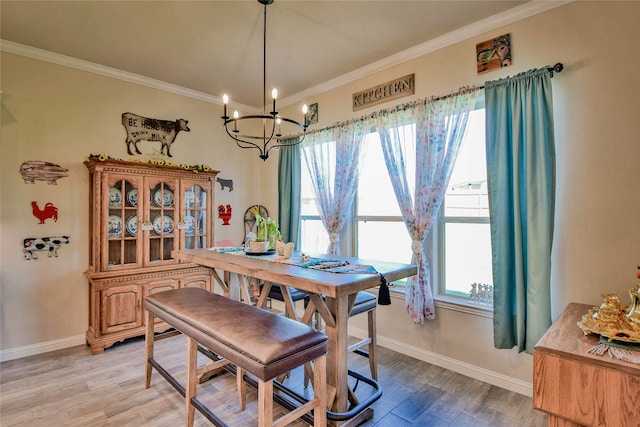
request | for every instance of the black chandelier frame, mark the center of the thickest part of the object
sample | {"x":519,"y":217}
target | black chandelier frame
{"x":271,"y":122}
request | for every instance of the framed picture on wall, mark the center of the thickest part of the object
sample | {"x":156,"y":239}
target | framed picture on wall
{"x":312,"y":116}
{"x":493,"y":54}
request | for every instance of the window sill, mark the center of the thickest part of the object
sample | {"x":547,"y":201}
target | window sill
{"x":449,"y":303}
{"x":462,"y":306}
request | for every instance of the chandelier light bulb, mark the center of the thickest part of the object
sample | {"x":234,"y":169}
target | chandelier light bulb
{"x":274,"y":94}
{"x":225,"y":101}
{"x":305,"y":110}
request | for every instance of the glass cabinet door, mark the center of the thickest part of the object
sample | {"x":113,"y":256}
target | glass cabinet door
{"x":195,"y":217}
{"x":121,"y":222}
{"x":160,"y":226}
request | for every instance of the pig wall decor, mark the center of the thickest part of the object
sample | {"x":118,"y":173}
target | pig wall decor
{"x":37,"y":170}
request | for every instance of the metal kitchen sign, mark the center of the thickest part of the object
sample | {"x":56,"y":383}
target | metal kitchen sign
{"x":404,"y":86}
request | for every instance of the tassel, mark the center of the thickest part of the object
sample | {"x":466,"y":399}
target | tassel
{"x":383,"y":294}
{"x":626,"y":352}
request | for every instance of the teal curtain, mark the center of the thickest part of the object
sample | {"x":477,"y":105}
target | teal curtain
{"x":289,"y":193}
{"x":521,"y":178}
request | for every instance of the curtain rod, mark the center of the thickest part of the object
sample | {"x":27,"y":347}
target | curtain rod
{"x":555,"y":69}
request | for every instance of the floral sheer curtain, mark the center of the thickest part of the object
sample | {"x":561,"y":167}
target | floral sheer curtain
{"x":333,"y":158}
{"x":437,"y":128}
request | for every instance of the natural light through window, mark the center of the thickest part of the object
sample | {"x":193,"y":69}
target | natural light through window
{"x":461,"y":255}
{"x":313,"y":236}
{"x":465,"y":244}
{"x":380,"y":229}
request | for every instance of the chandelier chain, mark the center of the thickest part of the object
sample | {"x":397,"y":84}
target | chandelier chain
{"x":272,"y":138}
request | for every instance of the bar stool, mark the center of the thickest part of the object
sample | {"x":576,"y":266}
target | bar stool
{"x":275,"y":293}
{"x":365,"y":302}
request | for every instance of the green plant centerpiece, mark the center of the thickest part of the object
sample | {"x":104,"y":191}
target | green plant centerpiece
{"x":267,"y":230}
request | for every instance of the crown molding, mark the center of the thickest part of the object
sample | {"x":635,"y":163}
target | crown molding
{"x":516,"y":14}
{"x":91,"y":67}
{"x":519,"y":13}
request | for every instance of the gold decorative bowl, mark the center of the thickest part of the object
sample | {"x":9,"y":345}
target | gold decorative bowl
{"x":614,"y":321}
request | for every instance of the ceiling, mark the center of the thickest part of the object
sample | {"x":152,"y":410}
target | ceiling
{"x":215,"y":47}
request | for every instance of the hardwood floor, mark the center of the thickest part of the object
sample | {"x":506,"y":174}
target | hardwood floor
{"x":71,"y":387}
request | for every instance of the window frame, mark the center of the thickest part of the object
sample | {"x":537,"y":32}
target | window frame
{"x":438,"y":248}
{"x":434,"y":247}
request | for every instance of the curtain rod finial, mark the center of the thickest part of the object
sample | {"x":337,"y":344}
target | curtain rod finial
{"x":556,"y":68}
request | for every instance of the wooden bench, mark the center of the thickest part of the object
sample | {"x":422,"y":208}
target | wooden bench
{"x":256,"y":341}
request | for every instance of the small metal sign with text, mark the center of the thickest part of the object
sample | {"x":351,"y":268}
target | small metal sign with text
{"x":398,"y":88}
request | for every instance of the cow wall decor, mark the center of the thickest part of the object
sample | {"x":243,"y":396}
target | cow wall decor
{"x":49,"y":244}
{"x":141,"y":128}
{"x":228,"y":183}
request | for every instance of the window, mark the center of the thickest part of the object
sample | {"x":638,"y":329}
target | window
{"x":379,"y":230}
{"x":461,"y":253}
{"x":313,"y":236}
{"x":464,"y":243}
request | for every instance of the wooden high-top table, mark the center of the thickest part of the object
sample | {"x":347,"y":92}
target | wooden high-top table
{"x":340,"y":290}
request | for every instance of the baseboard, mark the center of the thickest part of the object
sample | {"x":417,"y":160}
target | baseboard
{"x":45,"y":347}
{"x":472,"y":371}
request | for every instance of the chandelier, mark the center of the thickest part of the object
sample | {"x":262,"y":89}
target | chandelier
{"x":271,"y":124}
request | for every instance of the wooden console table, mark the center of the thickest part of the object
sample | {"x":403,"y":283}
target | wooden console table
{"x":577,"y":388}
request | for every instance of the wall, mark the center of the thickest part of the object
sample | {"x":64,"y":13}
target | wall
{"x":597,"y":227}
{"x":60,"y":115}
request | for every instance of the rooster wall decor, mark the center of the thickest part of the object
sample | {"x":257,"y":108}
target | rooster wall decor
{"x":224,"y":214}
{"x":49,"y":211}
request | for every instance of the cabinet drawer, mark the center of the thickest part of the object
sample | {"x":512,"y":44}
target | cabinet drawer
{"x":202,"y":281}
{"x":120,"y":308}
{"x":159,"y":286}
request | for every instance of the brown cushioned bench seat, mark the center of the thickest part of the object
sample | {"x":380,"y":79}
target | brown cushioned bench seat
{"x":262,"y":343}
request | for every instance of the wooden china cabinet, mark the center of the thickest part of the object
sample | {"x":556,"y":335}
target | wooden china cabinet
{"x":138,"y":214}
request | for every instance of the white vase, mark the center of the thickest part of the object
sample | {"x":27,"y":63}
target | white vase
{"x":258,"y":246}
